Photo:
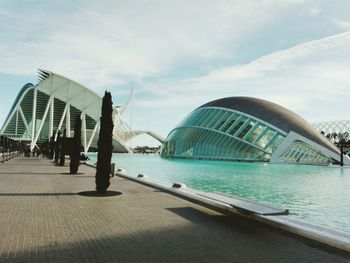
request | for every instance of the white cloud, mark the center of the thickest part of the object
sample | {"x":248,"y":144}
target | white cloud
{"x":315,"y":11}
{"x":311,"y":78}
{"x":344,"y":25}
{"x":110,"y":43}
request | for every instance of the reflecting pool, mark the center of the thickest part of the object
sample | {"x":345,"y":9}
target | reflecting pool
{"x":316,"y":194}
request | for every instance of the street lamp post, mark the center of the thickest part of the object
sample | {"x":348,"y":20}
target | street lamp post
{"x":341,"y":142}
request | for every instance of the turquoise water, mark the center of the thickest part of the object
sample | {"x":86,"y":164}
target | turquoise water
{"x":318,"y":195}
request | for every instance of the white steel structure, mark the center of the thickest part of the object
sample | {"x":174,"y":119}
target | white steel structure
{"x":329,"y":127}
{"x":40,"y":111}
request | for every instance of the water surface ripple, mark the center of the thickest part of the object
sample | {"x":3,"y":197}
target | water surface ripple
{"x":319,"y":195}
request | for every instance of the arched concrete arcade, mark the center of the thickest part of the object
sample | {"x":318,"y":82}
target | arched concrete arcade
{"x":53,"y":104}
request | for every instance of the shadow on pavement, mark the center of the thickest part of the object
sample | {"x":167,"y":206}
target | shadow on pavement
{"x":36,"y":194}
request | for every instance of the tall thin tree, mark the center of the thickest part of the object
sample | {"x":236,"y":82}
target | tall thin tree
{"x":104,"y":145}
{"x":51,"y":147}
{"x":75,"y":149}
{"x":57,"y":147}
{"x":63,"y":148}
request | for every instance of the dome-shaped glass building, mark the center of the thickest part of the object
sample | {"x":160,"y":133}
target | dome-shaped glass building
{"x":248,"y":129}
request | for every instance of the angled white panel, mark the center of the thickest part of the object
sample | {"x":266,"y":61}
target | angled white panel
{"x":292,"y":137}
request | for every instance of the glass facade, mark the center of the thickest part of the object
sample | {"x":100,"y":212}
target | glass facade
{"x":217,"y":133}
{"x":300,"y":152}
{"x":222,"y":134}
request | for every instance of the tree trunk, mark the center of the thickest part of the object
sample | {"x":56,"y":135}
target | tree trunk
{"x":104,"y":145}
{"x":341,"y":155}
{"x":75,"y":151}
{"x":57,"y":147}
{"x":62,"y":151}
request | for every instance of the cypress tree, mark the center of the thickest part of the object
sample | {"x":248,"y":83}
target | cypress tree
{"x":104,"y":145}
{"x":57,"y":147}
{"x":62,"y":148}
{"x":45,"y":148}
{"x":51,"y":147}
{"x":75,"y":149}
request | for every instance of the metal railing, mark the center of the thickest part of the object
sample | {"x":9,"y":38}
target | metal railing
{"x":6,"y":156}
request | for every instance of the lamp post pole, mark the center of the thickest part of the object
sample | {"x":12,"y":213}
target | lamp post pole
{"x":341,"y":153}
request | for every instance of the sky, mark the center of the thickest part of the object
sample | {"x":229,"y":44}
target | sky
{"x":178,"y":55}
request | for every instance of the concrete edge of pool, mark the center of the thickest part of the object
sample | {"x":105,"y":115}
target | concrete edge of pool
{"x":322,"y":235}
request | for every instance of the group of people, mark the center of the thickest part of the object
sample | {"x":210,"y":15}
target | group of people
{"x":34,"y":153}
{"x":83,"y":157}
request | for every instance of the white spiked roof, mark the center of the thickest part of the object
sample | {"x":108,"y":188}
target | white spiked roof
{"x":70,"y":91}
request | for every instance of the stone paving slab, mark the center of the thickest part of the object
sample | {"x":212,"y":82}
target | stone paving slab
{"x":42,"y":219}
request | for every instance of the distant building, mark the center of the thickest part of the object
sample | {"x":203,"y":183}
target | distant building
{"x":248,"y":129}
{"x":147,"y":150}
{"x":331,"y":127}
{"x":41,"y":110}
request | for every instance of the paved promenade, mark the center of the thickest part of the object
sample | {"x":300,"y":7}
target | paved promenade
{"x":42,"y":219}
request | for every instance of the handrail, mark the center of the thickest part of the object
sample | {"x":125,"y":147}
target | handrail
{"x":6,"y":156}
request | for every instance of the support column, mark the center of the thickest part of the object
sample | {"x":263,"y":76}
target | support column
{"x":52,"y":112}
{"x":16,"y":122}
{"x":68,"y":128}
{"x":43,"y":120}
{"x":84,"y":131}
{"x":34,"y":118}
{"x":68,"y":120}
{"x":52,"y":109}
{"x":24,"y":120}
{"x":61,"y":121}
{"x":93,"y":134}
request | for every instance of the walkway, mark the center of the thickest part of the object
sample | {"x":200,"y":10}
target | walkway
{"x":42,"y":219}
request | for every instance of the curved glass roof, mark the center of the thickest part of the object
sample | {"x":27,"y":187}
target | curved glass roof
{"x":274,"y":114}
{"x":222,"y":134}
{"x":20,"y":93}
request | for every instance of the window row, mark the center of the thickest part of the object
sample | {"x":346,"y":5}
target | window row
{"x":198,"y":143}
{"x":238,"y":125}
{"x":300,"y":152}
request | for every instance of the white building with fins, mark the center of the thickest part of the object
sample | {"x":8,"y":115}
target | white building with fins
{"x":41,"y":110}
